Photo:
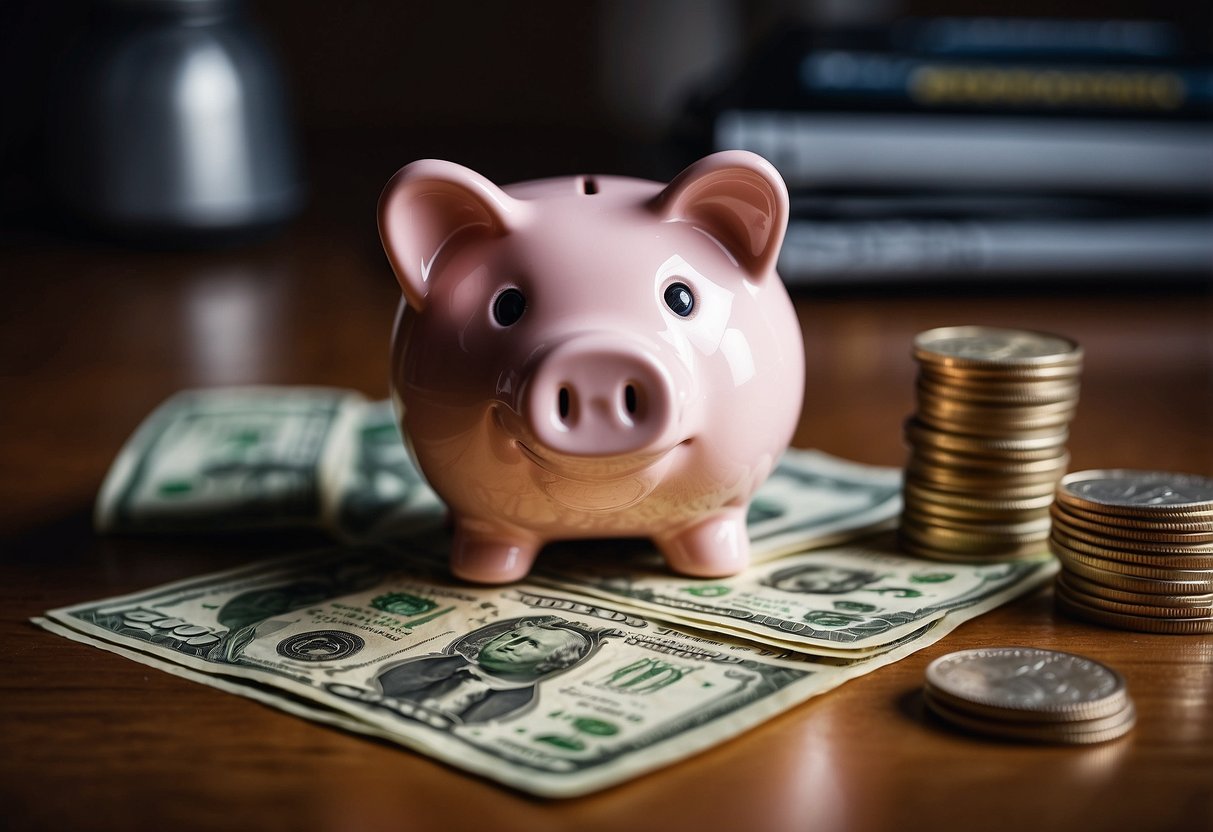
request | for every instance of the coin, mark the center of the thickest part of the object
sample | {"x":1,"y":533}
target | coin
{"x":918,"y":432}
{"x":996,"y":492}
{"x":1003,"y":373}
{"x":955,"y":539}
{"x":1085,"y":586}
{"x":1029,"y":417}
{"x":1057,"y":723}
{"x":1140,"y":623}
{"x":961,"y":514}
{"x":1019,"y":394}
{"x":1163,"y":556}
{"x":1025,"y":552}
{"x":1029,"y":680}
{"x":1067,"y":554}
{"x":983,"y":481}
{"x":1129,"y":536}
{"x":1048,"y":427}
{"x":1148,"y":610}
{"x":1138,"y":493}
{"x":950,"y":404}
{"x":982,"y":346}
{"x":978,"y":462}
{"x":1079,"y":733}
{"x":1109,"y":521}
{"x":1033,"y":529}
{"x":976,"y":502}
{"x":996,"y":381}
{"x":1133,"y":583}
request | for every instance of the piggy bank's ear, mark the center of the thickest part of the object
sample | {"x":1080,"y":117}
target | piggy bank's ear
{"x":739,"y":198}
{"x":431,"y":205}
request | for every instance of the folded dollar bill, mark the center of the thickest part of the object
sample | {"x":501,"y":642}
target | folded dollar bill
{"x":372,"y":489}
{"x":269,"y":457}
{"x":549,"y":692}
{"x":841,"y":600}
{"x":236,"y":458}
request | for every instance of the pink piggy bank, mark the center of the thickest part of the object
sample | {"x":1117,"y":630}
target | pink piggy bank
{"x":594,"y":356}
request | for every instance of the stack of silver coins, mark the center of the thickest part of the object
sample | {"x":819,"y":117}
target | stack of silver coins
{"x":987,"y":442}
{"x":1031,"y":695}
{"x":1136,"y":550}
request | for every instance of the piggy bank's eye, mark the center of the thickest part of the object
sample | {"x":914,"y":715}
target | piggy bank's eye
{"x":679,"y":298}
{"x":508,"y":307}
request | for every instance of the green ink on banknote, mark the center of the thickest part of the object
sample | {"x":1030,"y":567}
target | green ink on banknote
{"x":829,"y":618}
{"x":932,"y":578}
{"x":645,"y":676}
{"x":247,"y":437}
{"x":714,"y":591}
{"x":897,"y":592}
{"x":401,"y":603}
{"x":597,"y":727}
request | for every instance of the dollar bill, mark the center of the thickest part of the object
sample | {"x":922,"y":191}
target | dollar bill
{"x":547,"y":692}
{"x":834,"y":601}
{"x":812,"y":499}
{"x":376,"y":492}
{"x":234,"y":458}
{"x":247,"y":458}
{"x":373,"y":490}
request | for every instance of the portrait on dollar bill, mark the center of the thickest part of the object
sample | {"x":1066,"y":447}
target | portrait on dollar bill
{"x":490,"y":673}
{"x":821,"y":579}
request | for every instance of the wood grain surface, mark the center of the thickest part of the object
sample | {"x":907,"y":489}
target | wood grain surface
{"x":94,"y":335}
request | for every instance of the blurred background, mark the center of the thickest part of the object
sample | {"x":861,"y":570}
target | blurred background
{"x":925,"y":143}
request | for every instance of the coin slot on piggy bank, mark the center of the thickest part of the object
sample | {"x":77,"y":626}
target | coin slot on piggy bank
{"x":639,"y":373}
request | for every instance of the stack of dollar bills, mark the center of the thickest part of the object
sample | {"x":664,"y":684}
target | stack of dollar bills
{"x":601,"y":666}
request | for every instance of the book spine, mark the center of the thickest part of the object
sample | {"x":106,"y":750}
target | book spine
{"x":1037,"y":37}
{"x":861,"y":79}
{"x":838,"y":252}
{"x":896,"y":150}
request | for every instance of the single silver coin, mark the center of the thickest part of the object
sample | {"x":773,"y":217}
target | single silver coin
{"x":985,"y":344}
{"x":1140,"y":490}
{"x":1029,"y":679}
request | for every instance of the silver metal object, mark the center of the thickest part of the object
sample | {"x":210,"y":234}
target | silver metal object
{"x":173,"y":124}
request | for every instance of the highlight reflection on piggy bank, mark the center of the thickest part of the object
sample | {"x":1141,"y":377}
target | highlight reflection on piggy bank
{"x":594,"y":356}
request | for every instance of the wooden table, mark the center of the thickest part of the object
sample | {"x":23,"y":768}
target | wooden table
{"x":94,"y":336}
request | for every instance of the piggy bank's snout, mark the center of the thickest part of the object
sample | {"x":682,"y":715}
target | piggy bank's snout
{"x":601,"y":396}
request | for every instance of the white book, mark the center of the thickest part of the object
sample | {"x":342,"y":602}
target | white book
{"x":823,"y":252}
{"x":896,"y":150}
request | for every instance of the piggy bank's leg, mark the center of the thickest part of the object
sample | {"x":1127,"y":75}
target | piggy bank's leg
{"x":712,"y":548}
{"x":491,"y":554}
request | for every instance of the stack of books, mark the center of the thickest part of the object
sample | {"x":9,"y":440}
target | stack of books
{"x":983,"y":147}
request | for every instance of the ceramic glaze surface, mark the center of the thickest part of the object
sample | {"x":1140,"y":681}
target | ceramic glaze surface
{"x":594,"y":356}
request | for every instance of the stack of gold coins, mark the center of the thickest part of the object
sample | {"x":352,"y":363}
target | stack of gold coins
{"x":1136,"y":550}
{"x":1028,"y":694}
{"x":987,"y":441}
